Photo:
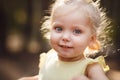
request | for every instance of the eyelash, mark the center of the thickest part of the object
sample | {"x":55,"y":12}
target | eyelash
{"x":58,"y":29}
{"x":77,"y":31}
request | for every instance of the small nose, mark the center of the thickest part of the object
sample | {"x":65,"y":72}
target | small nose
{"x":66,"y":37}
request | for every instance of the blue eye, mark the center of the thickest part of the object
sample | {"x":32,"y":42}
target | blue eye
{"x":77,"y":31}
{"x":58,"y":29}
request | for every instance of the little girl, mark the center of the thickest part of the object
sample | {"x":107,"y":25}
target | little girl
{"x":73,"y":34}
{"x":73,"y":28}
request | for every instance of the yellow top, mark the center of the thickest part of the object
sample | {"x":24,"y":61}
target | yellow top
{"x":51,"y":68}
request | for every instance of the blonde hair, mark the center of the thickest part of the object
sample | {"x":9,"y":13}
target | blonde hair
{"x":97,"y":17}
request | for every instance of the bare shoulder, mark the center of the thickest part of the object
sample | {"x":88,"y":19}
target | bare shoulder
{"x":95,"y":72}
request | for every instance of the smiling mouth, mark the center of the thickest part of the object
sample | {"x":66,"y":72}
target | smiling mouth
{"x":65,"y":46}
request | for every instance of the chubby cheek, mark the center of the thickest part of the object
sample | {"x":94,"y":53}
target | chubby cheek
{"x":81,"y":43}
{"x":53,"y":38}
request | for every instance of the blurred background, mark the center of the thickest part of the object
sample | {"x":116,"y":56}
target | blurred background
{"x":21,"y":41}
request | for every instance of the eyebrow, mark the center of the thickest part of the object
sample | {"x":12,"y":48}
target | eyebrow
{"x":58,"y":23}
{"x":78,"y":25}
{"x":55,"y":23}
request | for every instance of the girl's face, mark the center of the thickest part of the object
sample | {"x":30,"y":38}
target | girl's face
{"x":70,"y":35}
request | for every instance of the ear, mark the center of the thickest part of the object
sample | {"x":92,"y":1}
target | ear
{"x":94,"y":43}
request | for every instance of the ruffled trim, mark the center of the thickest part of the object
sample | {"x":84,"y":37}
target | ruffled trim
{"x":42,"y":59}
{"x":101,"y":61}
{"x":43,"y":56}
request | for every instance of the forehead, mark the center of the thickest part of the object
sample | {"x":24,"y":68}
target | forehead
{"x":67,"y":9}
{"x":71,"y":15}
{"x":64,"y":10}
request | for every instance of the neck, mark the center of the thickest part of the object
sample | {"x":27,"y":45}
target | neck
{"x":72,"y":59}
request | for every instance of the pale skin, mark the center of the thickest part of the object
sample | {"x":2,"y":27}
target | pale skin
{"x":70,"y":35}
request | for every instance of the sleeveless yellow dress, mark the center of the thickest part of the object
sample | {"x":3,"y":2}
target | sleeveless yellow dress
{"x":51,"y":68}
